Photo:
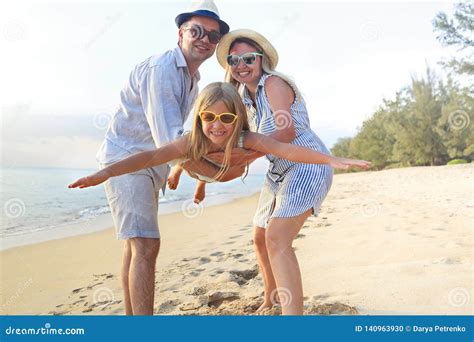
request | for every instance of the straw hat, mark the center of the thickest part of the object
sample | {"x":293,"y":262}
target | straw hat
{"x":203,"y":8}
{"x":226,"y":41}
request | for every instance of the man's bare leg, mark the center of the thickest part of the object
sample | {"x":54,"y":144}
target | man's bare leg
{"x":127,"y":257}
{"x":142,"y":274}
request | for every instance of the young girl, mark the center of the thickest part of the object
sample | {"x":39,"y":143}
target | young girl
{"x":219,"y":124}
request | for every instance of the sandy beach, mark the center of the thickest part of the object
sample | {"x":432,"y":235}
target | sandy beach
{"x":396,"y":241}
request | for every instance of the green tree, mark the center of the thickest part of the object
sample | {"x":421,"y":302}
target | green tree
{"x":455,"y":125}
{"x":342,"y":147}
{"x":374,"y":142}
{"x":458,"y":32}
{"x":415,"y":116}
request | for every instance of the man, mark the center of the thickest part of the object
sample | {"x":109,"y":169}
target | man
{"x":154,"y":105}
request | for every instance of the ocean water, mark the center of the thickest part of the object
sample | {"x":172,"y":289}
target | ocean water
{"x":37,"y":200}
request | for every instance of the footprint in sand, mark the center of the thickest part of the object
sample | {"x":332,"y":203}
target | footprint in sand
{"x":320,"y":297}
{"x":245,"y":275}
{"x":452,"y":244}
{"x":336,"y":308}
{"x":447,"y":261}
{"x":204,"y":260}
{"x":188,"y":259}
{"x":167,"y":306}
{"x":299,"y":236}
{"x":235,"y":237}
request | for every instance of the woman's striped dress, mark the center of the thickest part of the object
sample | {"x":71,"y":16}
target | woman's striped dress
{"x":290,"y":188}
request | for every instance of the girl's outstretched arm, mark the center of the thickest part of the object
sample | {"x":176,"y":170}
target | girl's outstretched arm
{"x":143,"y":160}
{"x":265,"y":144}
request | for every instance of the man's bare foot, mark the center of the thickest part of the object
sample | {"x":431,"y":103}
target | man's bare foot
{"x":200,"y":192}
{"x":173,"y":178}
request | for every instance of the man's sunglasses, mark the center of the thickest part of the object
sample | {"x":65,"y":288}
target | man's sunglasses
{"x":226,"y":118}
{"x":248,"y":58}
{"x":198,"y":32}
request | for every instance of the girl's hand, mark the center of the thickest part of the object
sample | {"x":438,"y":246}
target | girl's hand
{"x":345,"y":163}
{"x":92,"y":180}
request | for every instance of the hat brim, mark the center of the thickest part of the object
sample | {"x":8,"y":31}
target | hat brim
{"x":183,"y":17}
{"x":226,"y":41}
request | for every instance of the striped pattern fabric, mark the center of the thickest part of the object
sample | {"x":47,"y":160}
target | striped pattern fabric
{"x":290,"y":188}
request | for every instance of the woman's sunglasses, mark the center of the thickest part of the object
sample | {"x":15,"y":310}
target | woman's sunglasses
{"x":226,"y":118}
{"x":198,"y":32}
{"x":248,"y":58}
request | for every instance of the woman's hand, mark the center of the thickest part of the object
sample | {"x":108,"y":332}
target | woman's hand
{"x":345,"y":163}
{"x":92,"y":180}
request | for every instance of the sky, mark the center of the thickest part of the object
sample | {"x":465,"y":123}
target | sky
{"x":63,"y":64}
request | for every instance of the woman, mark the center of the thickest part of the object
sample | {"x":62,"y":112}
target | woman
{"x":292,"y":191}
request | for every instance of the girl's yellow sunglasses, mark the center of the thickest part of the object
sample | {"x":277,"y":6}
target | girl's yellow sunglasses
{"x":226,"y":118}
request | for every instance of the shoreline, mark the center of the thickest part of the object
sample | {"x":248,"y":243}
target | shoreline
{"x":104,"y":222}
{"x":396,"y":241}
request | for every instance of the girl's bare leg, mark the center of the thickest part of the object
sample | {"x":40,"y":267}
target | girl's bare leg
{"x":173,"y":178}
{"x":200,"y":192}
{"x":279,"y":238}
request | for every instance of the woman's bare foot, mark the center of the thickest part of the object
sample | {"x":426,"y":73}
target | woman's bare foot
{"x":265,"y":306}
{"x":173,"y":178}
{"x":200,"y":192}
{"x":269,"y":302}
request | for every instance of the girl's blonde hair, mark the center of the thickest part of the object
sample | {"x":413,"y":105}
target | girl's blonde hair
{"x":211,"y":94}
{"x":267,"y":67}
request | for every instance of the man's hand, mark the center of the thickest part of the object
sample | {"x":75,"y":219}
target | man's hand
{"x":207,"y":169}
{"x":239,"y":156}
{"x":233,"y":172}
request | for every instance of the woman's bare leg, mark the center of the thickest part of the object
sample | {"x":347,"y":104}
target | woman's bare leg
{"x":265,"y":267}
{"x":279,"y":238}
